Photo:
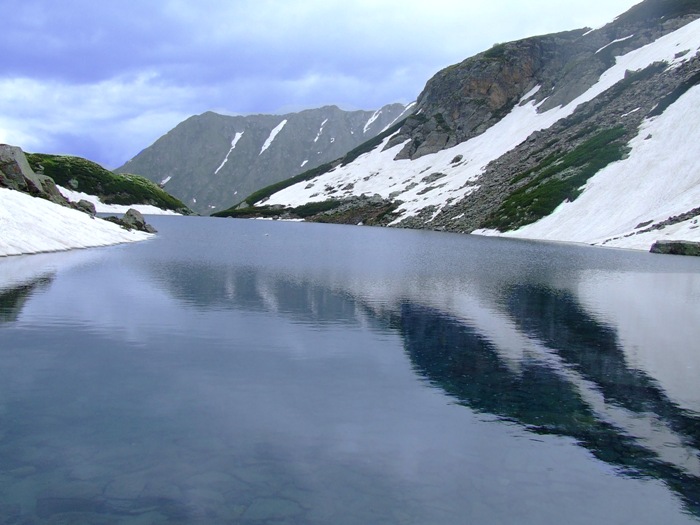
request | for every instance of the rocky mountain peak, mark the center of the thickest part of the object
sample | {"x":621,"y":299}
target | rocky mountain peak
{"x":211,"y":160}
{"x":463,"y":100}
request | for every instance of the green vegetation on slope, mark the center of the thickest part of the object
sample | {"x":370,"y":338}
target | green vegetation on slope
{"x":557,"y":178}
{"x":88,"y":177}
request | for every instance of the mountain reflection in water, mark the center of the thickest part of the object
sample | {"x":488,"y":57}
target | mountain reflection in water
{"x":577,"y":384}
{"x":581,"y":388}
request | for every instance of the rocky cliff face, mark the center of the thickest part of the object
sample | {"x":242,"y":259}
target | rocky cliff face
{"x":464,"y":100}
{"x":16,"y":174}
{"x":504,"y":139}
{"x":210,"y":160}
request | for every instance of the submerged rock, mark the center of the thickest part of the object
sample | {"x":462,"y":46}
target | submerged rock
{"x":676,"y":248}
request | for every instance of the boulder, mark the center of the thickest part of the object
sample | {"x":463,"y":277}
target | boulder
{"x":676,"y":248}
{"x":132,"y":220}
{"x":51,"y":191}
{"x":86,"y":206}
{"x":16,"y":174}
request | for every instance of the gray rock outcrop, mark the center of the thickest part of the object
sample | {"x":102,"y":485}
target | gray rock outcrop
{"x":86,"y":206}
{"x":16,"y":174}
{"x":465,"y":99}
{"x":132,"y":220}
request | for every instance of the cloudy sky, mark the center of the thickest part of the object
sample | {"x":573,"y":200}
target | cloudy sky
{"x":104,"y":79}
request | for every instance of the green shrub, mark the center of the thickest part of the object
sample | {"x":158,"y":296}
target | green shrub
{"x":312,"y":208}
{"x":497,"y":52}
{"x":305,"y":210}
{"x":250,"y":211}
{"x":557,"y":178}
{"x":112,"y":188}
{"x":440,"y":119}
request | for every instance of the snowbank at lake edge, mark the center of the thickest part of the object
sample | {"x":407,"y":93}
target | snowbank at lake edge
{"x":33,"y":225}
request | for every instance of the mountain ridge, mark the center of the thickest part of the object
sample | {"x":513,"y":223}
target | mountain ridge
{"x":209,"y":159}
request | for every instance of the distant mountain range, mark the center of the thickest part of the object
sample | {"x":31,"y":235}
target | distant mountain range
{"x":586,"y":135}
{"x":210,"y":161}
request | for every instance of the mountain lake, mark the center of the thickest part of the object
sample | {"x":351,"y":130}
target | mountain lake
{"x":231,"y":371}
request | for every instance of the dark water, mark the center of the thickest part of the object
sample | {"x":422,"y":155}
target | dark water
{"x":258,"y":372}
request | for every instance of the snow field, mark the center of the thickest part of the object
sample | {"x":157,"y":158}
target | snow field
{"x":33,"y":225}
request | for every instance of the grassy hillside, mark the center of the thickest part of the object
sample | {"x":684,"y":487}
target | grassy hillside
{"x":88,"y":177}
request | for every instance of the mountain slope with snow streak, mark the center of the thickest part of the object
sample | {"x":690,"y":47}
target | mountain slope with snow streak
{"x":647,"y":94}
{"x":33,"y":225}
{"x":209,"y":161}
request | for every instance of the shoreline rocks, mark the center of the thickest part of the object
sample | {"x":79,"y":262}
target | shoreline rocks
{"x":675,"y":247}
{"x":132,"y":220}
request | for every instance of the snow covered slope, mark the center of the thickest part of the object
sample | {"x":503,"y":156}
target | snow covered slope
{"x":32,"y":225}
{"x":659,"y":179}
{"x":652,"y":193}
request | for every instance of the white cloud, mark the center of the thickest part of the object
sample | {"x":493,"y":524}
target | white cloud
{"x":111,"y":77}
{"x":123,"y":113}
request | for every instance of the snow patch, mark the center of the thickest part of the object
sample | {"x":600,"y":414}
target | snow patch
{"x":235,"y":140}
{"x":374,"y":117}
{"x":636,"y":190}
{"x":614,"y":42}
{"x":320,"y":131}
{"x":272,"y":136}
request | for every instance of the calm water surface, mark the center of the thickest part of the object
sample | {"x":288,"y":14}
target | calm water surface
{"x":281,"y":373}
